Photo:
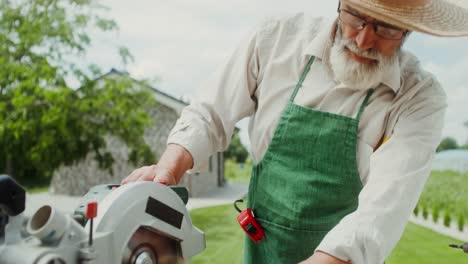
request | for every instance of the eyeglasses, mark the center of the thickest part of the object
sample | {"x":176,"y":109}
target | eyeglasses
{"x":359,"y":23}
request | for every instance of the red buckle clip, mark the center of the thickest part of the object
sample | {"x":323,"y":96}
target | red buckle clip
{"x":248,"y":223}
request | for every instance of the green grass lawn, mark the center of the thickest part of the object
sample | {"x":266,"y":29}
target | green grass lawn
{"x":225,"y":241}
{"x":37,"y":189}
{"x":421,"y":245}
{"x":234,"y":172}
{"x":224,"y":237}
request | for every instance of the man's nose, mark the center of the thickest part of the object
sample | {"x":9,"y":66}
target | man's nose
{"x":366,"y":38}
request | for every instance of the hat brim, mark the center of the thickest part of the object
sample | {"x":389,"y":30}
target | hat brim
{"x":438,"y":18}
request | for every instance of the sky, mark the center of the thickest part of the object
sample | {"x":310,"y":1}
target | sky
{"x":180,"y":43}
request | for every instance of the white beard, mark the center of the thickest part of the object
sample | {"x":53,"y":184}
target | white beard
{"x":355,"y":74}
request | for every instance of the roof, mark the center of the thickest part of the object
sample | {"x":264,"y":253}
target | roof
{"x":162,"y":97}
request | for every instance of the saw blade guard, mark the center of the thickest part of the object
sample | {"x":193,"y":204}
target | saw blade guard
{"x":152,"y":206}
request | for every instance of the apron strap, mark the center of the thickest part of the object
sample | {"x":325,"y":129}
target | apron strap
{"x":364,"y":104}
{"x":304,"y":74}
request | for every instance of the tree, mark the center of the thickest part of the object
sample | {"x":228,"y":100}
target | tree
{"x":43,"y":122}
{"x":447,"y":143}
{"x":236,"y":150}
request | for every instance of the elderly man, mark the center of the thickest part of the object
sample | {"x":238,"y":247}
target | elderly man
{"x":343,"y":128}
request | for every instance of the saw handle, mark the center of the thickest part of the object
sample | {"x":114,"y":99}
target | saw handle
{"x":91,"y":213}
{"x":12,"y":196}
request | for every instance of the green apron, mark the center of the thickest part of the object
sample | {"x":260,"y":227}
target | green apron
{"x":305,"y":184}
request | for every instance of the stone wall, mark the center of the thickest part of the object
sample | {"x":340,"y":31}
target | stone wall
{"x":78,"y":178}
{"x":202,"y":183}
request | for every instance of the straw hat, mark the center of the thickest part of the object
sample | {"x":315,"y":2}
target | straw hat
{"x":435,"y":17}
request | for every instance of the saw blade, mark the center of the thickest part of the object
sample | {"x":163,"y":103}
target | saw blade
{"x":150,"y":246}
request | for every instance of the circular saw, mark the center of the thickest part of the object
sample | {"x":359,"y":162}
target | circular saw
{"x":136,"y":223}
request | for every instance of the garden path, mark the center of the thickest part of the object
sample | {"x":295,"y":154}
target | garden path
{"x":67,"y":204}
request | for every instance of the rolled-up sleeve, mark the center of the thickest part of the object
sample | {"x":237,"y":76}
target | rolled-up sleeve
{"x":397,"y":174}
{"x":207,"y":124}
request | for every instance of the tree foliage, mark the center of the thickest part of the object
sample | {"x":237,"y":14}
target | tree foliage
{"x":447,"y":143}
{"x":43,"y":122}
{"x":236,"y":151}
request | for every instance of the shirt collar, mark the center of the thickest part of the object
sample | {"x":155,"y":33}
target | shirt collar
{"x":321,"y":44}
{"x":392,"y":79}
{"x":322,"y":40}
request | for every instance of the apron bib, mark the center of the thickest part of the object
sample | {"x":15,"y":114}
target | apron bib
{"x":306,"y":182}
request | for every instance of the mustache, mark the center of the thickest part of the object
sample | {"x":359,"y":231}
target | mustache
{"x":368,"y":54}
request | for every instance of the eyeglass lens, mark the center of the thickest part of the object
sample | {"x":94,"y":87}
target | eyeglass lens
{"x":359,"y":23}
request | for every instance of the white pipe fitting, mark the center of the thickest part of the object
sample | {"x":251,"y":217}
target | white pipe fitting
{"x":47,"y":224}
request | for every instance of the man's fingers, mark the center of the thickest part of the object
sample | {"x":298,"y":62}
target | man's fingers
{"x":147,"y":174}
{"x":166,"y":180}
{"x":132,"y":177}
{"x":151,"y":173}
{"x":142,"y":174}
{"x":164,"y":177}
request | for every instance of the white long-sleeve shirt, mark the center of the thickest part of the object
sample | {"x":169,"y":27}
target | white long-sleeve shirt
{"x":407,"y":108}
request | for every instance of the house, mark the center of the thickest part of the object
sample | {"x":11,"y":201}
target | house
{"x":78,"y":178}
{"x":455,"y":160}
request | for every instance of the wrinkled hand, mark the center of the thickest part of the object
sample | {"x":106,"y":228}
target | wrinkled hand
{"x":174,"y":162}
{"x":323,"y":258}
{"x":152,"y":173}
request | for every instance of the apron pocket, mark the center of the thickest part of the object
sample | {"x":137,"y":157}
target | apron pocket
{"x":282,"y":244}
